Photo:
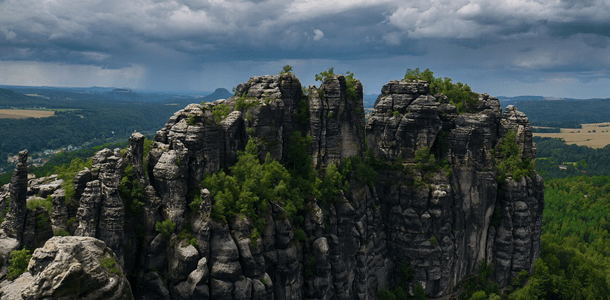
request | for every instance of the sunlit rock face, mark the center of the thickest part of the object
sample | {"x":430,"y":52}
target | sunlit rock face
{"x":71,"y":268}
{"x":437,"y":202}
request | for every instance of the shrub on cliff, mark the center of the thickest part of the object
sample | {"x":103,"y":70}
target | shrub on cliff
{"x":459,"y":94}
{"x":350,"y":82}
{"x":509,"y":160}
{"x":252,"y":185}
{"x":286,"y":69}
{"x":18,"y":263}
{"x":67,"y":173}
{"x":166,"y":227}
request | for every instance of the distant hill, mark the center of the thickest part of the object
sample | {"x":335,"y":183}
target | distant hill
{"x":219,"y":93}
{"x":568,"y":113}
{"x":10,"y":98}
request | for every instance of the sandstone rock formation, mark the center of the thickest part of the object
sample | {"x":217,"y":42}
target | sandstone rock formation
{"x":71,"y":268}
{"x":14,"y":221}
{"x":438,"y":204}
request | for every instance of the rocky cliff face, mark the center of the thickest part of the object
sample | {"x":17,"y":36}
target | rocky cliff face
{"x":439,"y":202}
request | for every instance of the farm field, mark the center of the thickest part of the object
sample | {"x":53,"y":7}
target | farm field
{"x":24,"y":113}
{"x":594,"y":135}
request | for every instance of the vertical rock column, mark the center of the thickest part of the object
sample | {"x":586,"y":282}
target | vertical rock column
{"x":336,"y":121}
{"x":15,"y":219}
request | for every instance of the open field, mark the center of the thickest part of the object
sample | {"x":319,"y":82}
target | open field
{"x":594,"y":135}
{"x":24,"y":113}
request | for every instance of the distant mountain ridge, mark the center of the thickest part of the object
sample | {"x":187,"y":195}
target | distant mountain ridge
{"x":219,"y":93}
{"x":564,"y":113}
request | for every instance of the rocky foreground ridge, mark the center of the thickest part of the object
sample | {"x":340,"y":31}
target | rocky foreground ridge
{"x":441,"y":218}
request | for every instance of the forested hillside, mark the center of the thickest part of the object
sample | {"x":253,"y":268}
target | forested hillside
{"x":574,"y":160}
{"x":83,"y":117}
{"x":575,"y":261}
{"x":565,"y":113}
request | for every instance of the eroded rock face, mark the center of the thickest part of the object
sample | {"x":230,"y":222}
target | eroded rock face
{"x":72,"y":268}
{"x":444,"y":216}
{"x":14,"y":221}
{"x":442,"y":220}
{"x":335,"y":121}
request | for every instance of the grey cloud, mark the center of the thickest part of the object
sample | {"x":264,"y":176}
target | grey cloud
{"x":256,"y":30}
{"x":569,"y":29}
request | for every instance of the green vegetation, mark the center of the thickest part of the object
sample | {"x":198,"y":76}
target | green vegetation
{"x":299,"y":235}
{"x":67,"y":173}
{"x":480,"y":285}
{"x":325,"y":75}
{"x":131,"y":190}
{"x":186,"y":235}
{"x":354,"y":167}
{"x":35,"y":203}
{"x":331,"y":184}
{"x":286,"y":69}
{"x":311,"y":264}
{"x":565,"y":113}
{"x":61,"y":232}
{"x":303,"y":112}
{"x":252,"y":185}
{"x":220,"y":112}
{"x":426,"y":163}
{"x":80,"y":119}
{"x":575,"y":248}
{"x":459,"y":94}
{"x":406,"y":273}
{"x":509,"y":161}
{"x":191,"y":120}
{"x":18,"y":263}
{"x":350,"y":83}
{"x":110,"y":264}
{"x":419,"y":293}
{"x":551,"y":153}
{"x":63,"y":158}
{"x":243,"y":102}
{"x":575,"y":259}
{"x":576,"y":213}
{"x":166,"y":228}
{"x":350,"y":89}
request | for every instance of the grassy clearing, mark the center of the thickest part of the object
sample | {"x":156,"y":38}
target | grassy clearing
{"x":594,"y":135}
{"x":24,"y":113}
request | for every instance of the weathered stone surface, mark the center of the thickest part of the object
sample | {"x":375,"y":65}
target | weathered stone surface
{"x":74,"y":267}
{"x":14,"y":222}
{"x":335,"y":121}
{"x":183,"y":260}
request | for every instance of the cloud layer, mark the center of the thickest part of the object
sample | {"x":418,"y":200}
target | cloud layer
{"x":189,"y":36}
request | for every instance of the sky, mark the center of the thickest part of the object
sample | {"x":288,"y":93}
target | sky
{"x":553,"y":48}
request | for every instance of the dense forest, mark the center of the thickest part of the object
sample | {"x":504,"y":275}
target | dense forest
{"x":575,"y":241}
{"x":574,"y":160}
{"x":85,"y":116}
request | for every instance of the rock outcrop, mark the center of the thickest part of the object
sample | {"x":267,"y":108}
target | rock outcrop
{"x":14,"y":221}
{"x":71,"y":268}
{"x":438,"y":203}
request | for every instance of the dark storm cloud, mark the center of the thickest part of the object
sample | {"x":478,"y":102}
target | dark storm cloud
{"x":569,"y":29}
{"x":210,"y":31}
{"x":520,"y":39}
